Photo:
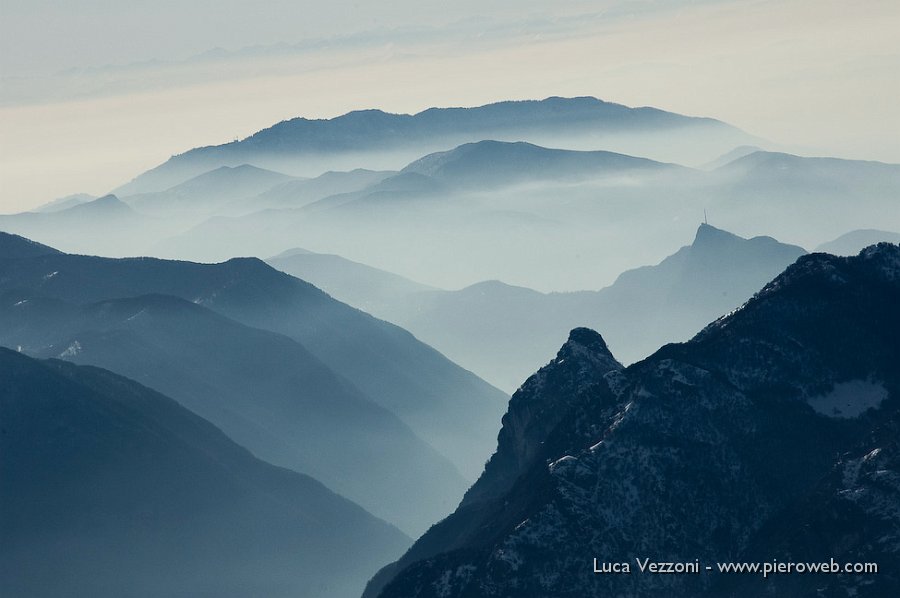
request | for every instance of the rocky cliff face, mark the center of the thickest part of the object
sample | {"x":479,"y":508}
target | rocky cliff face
{"x":770,"y":435}
{"x":567,"y":382}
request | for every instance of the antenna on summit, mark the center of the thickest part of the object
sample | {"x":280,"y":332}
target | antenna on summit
{"x":705,"y":221}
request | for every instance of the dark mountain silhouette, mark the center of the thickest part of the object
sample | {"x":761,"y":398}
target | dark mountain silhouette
{"x":110,"y":489}
{"x":262,"y":389}
{"x":15,"y":246}
{"x":448,"y":407}
{"x":855,"y":241}
{"x":407,"y":135}
{"x":770,"y":435}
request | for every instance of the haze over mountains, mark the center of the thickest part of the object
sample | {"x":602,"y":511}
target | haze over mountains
{"x":503,"y":332}
{"x":68,"y":201}
{"x":484,"y":193}
{"x":211,"y":191}
{"x":376,"y":139}
{"x":552,"y":234}
{"x":369,"y":289}
{"x":264,"y":390}
{"x":111,"y":489}
{"x":741,"y":442}
{"x":855,"y":241}
{"x":69,"y":306}
{"x":100,"y":225}
{"x":424,"y":265}
{"x":490,"y":164}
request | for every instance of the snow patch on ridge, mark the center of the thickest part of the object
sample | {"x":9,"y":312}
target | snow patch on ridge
{"x":850,"y":399}
{"x":72,"y":350}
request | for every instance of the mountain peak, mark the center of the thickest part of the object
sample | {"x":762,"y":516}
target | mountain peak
{"x":708,"y":234}
{"x":750,"y":423}
{"x":291,"y":253}
{"x":374,"y":130}
{"x":252,"y":267}
{"x":545,"y":399}
{"x":881,"y":261}
{"x":585,"y":339}
{"x":108,"y":204}
{"x":885,"y":257}
{"x":109,"y":199}
{"x":583,"y":356}
{"x":14,"y":246}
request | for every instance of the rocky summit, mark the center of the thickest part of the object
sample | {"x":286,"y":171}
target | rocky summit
{"x":772,"y":436}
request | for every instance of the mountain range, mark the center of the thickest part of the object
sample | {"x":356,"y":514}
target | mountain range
{"x":491,"y":164}
{"x":111,"y":489}
{"x":376,"y":139}
{"x":553,"y":219}
{"x":369,"y":289}
{"x":226,"y":426}
{"x":264,"y":390}
{"x":298,"y":193}
{"x":771,"y":435}
{"x":561,"y":218}
{"x":503,"y":332}
{"x":200,"y":325}
{"x":69,"y":201}
{"x":211,"y":191}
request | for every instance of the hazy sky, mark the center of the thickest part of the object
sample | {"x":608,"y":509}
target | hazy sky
{"x":95,"y":91}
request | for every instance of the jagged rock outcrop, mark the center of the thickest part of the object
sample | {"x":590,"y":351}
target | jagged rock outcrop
{"x":770,"y":435}
{"x":539,"y":406}
{"x":547,"y":398}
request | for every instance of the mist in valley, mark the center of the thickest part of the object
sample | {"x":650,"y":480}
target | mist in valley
{"x":349,"y":335}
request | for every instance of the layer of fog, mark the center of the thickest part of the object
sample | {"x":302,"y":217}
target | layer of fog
{"x":546,"y":235}
{"x":95,"y":128}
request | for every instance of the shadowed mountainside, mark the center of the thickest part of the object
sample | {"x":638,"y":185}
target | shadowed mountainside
{"x":110,"y":489}
{"x":774,"y":429}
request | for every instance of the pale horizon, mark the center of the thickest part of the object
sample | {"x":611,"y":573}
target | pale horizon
{"x":69,"y":124}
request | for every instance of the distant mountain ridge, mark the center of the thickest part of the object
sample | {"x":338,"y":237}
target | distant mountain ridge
{"x":491,"y":163}
{"x":367,"y":288}
{"x":366,"y":130}
{"x":94,"y":226}
{"x":535,"y":226}
{"x":447,"y":406}
{"x":298,"y":193}
{"x":503,"y":332}
{"x":855,"y":241}
{"x":264,"y":390}
{"x":211,"y":190}
{"x":61,"y":203}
